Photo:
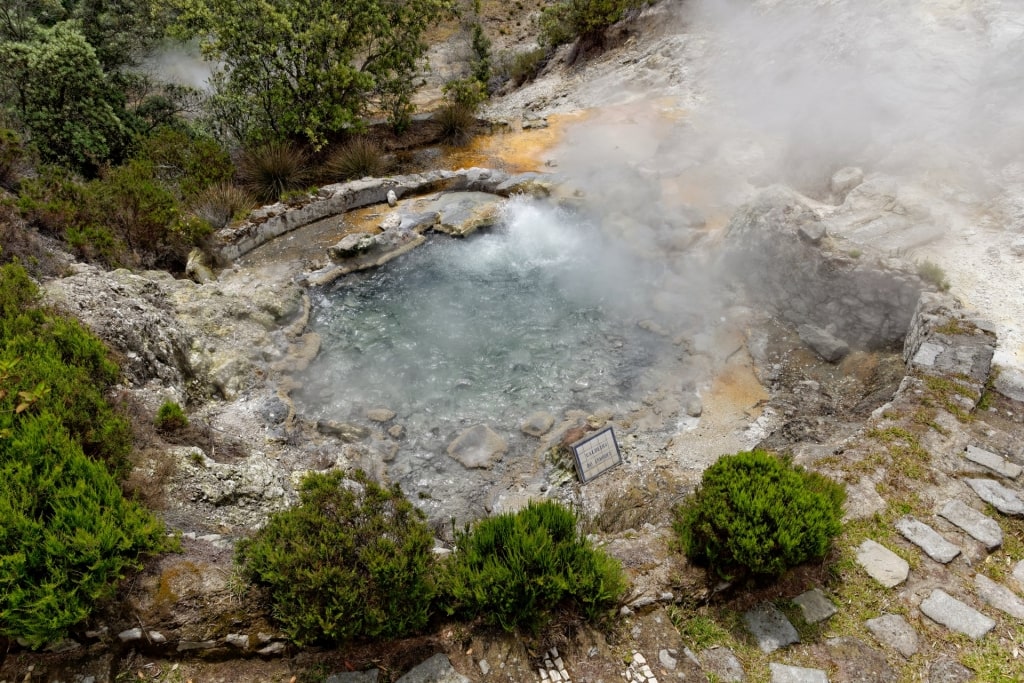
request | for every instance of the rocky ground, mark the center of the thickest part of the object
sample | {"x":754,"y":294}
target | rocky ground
{"x":924,"y":582}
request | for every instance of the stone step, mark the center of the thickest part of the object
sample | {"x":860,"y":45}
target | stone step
{"x":977,"y":524}
{"x":955,"y":615}
{"x":882,"y":564}
{"x":992,"y":462}
{"x":815,"y":606}
{"x":783,"y":673}
{"x":927,"y":539}
{"x":894,"y":631}
{"x":998,"y":496}
{"x":723,"y":664}
{"x":999,"y":596}
{"x":770,"y":627}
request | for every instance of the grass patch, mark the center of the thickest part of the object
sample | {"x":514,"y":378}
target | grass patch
{"x":933,"y":274}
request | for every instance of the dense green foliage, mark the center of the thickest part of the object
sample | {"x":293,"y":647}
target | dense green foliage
{"x":309,"y":69}
{"x":351,"y":559}
{"x":516,"y":569}
{"x":170,"y":417}
{"x":759,"y":514}
{"x":272,"y":169}
{"x":585,"y":20}
{"x":67,"y":534}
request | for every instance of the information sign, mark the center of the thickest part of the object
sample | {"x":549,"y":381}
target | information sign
{"x":596,"y":454}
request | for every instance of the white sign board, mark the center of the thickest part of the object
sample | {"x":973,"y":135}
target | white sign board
{"x":596,"y":454}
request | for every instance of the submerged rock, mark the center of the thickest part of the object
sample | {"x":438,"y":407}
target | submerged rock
{"x":478,"y":447}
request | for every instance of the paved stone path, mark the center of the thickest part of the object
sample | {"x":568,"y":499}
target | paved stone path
{"x":894,"y":631}
{"x":979,"y":526}
{"x":992,"y":462}
{"x":770,"y":627}
{"x":882,"y":564}
{"x":927,"y":539}
{"x":955,"y":615}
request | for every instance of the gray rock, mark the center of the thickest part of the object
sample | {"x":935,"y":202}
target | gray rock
{"x":783,"y":673}
{"x":189,"y":645}
{"x":198,"y":267}
{"x":343,"y":430}
{"x":978,"y":525}
{"x":369,"y":676}
{"x":396,"y":431}
{"x":392,"y":198}
{"x":998,"y":496}
{"x":275,"y":648}
{"x":723,"y":663}
{"x":823,"y":343}
{"x":485,"y":668}
{"x":770,"y":627}
{"x":882,"y":564}
{"x":156,"y":637}
{"x":1018,"y":572}
{"x":239,"y":640}
{"x":352,"y":245}
{"x":926,"y":538}
{"x":815,"y":606}
{"x":845,"y":179}
{"x":1010,"y":383}
{"x":993,"y":462}
{"x":538,"y":423}
{"x":461,"y":213}
{"x":854,"y":661}
{"x":380,"y":414}
{"x":999,"y":596}
{"x":130,"y":635}
{"x":437,"y":669}
{"x":894,"y":631}
{"x":945,"y":670}
{"x":955,"y":615}
{"x":274,"y":410}
{"x":666,"y":659}
{"x":478,"y":447}
{"x":692,"y":404}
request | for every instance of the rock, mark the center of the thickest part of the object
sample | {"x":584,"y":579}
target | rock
{"x":844,"y":180}
{"x":783,"y":673}
{"x":692,"y":405}
{"x":538,"y":423}
{"x":380,"y":414}
{"x":239,"y":640}
{"x":881,"y":564}
{"x":156,"y":637}
{"x":130,"y":635}
{"x":992,"y":462}
{"x":998,"y":496}
{"x":823,"y":343}
{"x":815,"y":606}
{"x":854,"y":661}
{"x":955,"y":615}
{"x":667,"y":660}
{"x":478,"y":447}
{"x":343,"y":430}
{"x":462,"y":213}
{"x":945,"y":670}
{"x":531,"y":184}
{"x":485,"y":668}
{"x":392,"y":198}
{"x":1010,"y":383}
{"x":275,"y":648}
{"x":723,"y":663}
{"x":926,"y":538}
{"x":190,"y":645}
{"x":979,"y":526}
{"x":894,"y":631}
{"x":770,"y":627}
{"x":352,"y":245}
{"x":396,"y":431}
{"x":437,"y":669}
{"x":198,"y":267}
{"x":999,"y":596}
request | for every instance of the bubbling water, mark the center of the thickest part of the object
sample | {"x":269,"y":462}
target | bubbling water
{"x":537,"y":313}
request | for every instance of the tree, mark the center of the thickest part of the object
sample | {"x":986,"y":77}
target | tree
{"x":308,"y":68}
{"x":56,"y":86}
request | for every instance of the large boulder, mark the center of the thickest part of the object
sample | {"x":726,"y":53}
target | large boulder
{"x":478,"y":447}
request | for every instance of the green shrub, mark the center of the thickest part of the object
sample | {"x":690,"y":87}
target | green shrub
{"x":351,"y":559}
{"x":759,"y":514}
{"x":170,"y":417}
{"x":67,"y":534}
{"x":270,"y":170}
{"x":516,"y":569}
{"x":583,"y":19}
{"x":933,"y":274}
{"x":185,"y":164}
{"x":357,"y":158}
{"x":526,"y":65}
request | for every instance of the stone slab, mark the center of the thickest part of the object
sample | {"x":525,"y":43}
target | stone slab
{"x":896,"y":632}
{"x":882,"y":564}
{"x":783,"y":673}
{"x":978,"y":525}
{"x":999,"y":596}
{"x":437,"y":669}
{"x":955,"y":615}
{"x":724,"y":664}
{"x":815,"y":606}
{"x":998,"y":496}
{"x":927,"y":539}
{"x":946,"y":670}
{"x":1018,"y":572}
{"x":992,"y":462}
{"x":770,"y":627}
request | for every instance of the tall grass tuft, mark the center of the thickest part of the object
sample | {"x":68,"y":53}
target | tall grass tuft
{"x":270,"y":170}
{"x":357,"y":158}
{"x":223,"y":203}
